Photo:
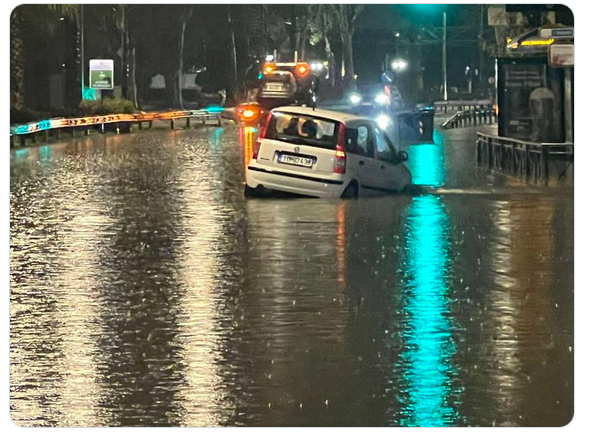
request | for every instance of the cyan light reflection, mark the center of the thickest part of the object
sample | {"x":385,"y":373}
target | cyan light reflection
{"x":427,"y":356}
{"x":216,"y":138}
{"x":45,"y":153}
{"x":427,"y":163}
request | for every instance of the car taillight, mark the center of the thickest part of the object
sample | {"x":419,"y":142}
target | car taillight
{"x":263,"y":131}
{"x":257,"y":145}
{"x":339,"y":166}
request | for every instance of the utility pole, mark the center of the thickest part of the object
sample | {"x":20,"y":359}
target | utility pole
{"x":233,"y":51}
{"x":82,"y":62}
{"x":482,"y":48}
{"x":265,"y":29}
{"x":444,"y":60}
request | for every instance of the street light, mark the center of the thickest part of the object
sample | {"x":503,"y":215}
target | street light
{"x":399,"y":65}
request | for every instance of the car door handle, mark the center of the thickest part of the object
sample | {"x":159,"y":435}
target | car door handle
{"x":361,"y":163}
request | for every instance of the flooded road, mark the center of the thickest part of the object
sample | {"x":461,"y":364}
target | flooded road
{"x":146,"y":291}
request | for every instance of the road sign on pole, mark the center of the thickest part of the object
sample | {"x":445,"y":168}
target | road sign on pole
{"x":102,"y":74}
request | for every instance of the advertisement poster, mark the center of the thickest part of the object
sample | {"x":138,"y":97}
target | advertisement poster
{"x":530,"y":101}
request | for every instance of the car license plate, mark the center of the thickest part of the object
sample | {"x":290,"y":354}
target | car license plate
{"x":295,"y":160}
{"x":274,"y":86}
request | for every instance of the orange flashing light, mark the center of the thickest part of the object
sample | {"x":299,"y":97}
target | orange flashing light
{"x":303,"y":68}
{"x":269,"y":67}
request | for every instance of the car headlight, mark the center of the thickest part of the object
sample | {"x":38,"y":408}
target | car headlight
{"x":383,"y":121}
{"x":381,"y":99}
{"x":355,"y":98}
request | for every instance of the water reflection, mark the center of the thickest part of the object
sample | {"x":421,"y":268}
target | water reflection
{"x":427,"y":164}
{"x":246,"y":139}
{"x":145,"y":290}
{"x":426,"y":361}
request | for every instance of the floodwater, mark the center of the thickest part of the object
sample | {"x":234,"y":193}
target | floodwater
{"x":146,"y":291}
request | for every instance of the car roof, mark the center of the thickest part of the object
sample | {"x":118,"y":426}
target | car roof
{"x":325,"y":113}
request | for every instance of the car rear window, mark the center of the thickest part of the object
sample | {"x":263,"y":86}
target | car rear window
{"x":284,"y":77}
{"x":303,"y":129}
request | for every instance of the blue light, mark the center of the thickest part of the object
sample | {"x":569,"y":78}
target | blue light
{"x":89,"y":94}
{"x":426,"y":387}
{"x":427,"y":165}
{"x":22,"y":129}
{"x":44,"y":124}
{"x":214,"y":109}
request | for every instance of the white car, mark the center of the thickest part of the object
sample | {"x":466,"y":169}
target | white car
{"x":322,"y":153}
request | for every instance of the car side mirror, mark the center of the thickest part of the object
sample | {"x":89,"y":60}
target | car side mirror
{"x":402,"y":157}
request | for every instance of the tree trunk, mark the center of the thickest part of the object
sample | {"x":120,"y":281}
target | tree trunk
{"x":181,"y":65}
{"x":134,"y":77}
{"x":17,"y":62}
{"x":171,"y":78}
{"x":331,"y":62}
{"x":348,"y":60}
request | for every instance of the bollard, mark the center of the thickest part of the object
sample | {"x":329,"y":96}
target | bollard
{"x":87,"y":130}
{"x":171,"y":123}
{"x":544,"y":164}
{"x":46,"y":136}
{"x":513,"y":159}
{"x":11,"y":142}
{"x":102,"y":128}
{"x":22,"y":140}
{"x":140,"y":126}
{"x":150,"y":124}
{"x":187,"y":122}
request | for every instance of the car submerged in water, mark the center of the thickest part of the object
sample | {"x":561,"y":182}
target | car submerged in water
{"x":322,"y":153}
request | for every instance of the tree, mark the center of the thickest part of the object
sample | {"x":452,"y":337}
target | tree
{"x":17,"y":59}
{"x":185,"y":14}
{"x":346,"y":18}
{"x":17,"y":63}
{"x":321,"y":27}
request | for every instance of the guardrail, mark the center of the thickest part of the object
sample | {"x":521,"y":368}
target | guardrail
{"x":57,"y":127}
{"x":483,"y":116}
{"x":529,"y":159}
{"x":446,"y":107}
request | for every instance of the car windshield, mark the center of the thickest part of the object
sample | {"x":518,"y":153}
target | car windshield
{"x":303,"y":129}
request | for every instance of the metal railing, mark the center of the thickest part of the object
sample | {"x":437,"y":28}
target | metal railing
{"x":525,"y":158}
{"x":57,"y":127}
{"x":447,"y":107}
{"x":482,"y":116}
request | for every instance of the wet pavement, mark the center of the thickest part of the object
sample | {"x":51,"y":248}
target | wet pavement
{"x":146,"y":291}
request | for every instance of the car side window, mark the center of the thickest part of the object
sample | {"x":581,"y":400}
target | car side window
{"x":360,"y":141}
{"x":383,"y":150}
{"x":365,"y":141}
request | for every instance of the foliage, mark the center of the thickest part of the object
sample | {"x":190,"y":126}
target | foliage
{"x":22,"y":116}
{"x":107,"y":106}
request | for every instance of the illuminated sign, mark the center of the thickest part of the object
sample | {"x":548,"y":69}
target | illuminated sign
{"x":546,"y":42}
{"x":102,"y":74}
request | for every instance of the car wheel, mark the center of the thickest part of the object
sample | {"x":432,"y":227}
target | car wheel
{"x":249,"y":192}
{"x":410,"y":189}
{"x":351,"y":191}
